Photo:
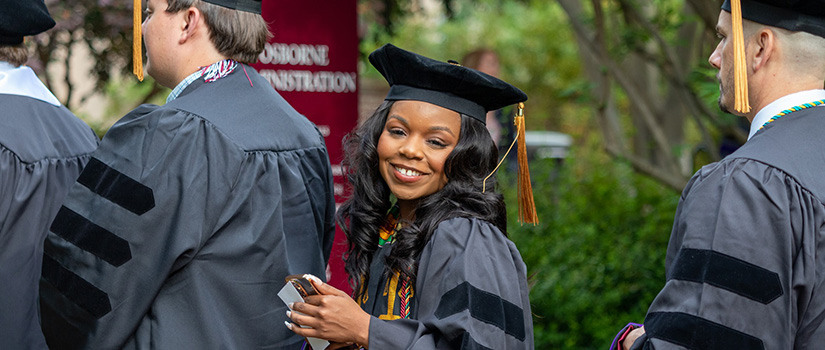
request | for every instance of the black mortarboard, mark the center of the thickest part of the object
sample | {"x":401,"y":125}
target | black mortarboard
{"x":461,"y":89}
{"x":794,"y":15}
{"x":253,"y":6}
{"x":19,"y":18}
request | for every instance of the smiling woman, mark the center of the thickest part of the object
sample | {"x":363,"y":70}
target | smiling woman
{"x":428,"y":255}
{"x":417,"y":138}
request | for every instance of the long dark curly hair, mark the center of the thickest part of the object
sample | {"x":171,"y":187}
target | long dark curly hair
{"x":361,"y":215}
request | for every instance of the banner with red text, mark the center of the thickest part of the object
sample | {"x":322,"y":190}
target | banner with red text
{"x":312,"y":61}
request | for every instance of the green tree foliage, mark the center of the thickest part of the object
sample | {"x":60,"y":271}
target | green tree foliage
{"x":535,"y":47}
{"x":648,"y":63}
{"x":103,"y":28}
{"x":596,"y":260}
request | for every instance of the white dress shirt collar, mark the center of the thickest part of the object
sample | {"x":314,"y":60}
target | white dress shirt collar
{"x":782,"y":104}
{"x":22,"y":81}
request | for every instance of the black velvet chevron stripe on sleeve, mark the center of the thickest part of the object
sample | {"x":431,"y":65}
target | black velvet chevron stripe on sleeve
{"x":117,"y":187}
{"x":74,"y":287}
{"x":729,"y":273}
{"x":483,"y":306}
{"x":90,"y":237}
{"x":694,"y":332}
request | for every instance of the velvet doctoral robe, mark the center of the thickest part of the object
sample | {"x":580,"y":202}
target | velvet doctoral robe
{"x":746,"y":259}
{"x":470,"y":293}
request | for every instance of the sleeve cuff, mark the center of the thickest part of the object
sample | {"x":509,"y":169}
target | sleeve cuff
{"x":620,"y":337}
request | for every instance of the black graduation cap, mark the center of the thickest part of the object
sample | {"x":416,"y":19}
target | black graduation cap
{"x":794,"y":15}
{"x":449,"y":85}
{"x":253,"y":6}
{"x":19,"y":18}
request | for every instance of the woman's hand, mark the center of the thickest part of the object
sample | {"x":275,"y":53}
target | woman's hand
{"x":332,"y":315}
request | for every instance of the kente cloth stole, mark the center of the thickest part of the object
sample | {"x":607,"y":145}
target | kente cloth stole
{"x":397,"y":289}
{"x":386,"y":233}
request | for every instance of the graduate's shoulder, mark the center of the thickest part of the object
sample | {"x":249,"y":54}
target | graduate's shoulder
{"x":142,"y":119}
{"x":251,"y":112}
{"x":759,"y":164}
{"x":793,"y":146}
{"x":466,"y":231}
{"x":243,"y":135}
{"x":35,"y":130}
{"x":140,"y":113}
{"x":735,"y":178}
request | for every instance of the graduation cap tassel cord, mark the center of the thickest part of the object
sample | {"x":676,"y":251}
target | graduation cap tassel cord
{"x":741,"y":103}
{"x":484,"y":183}
{"x":137,"y":37}
{"x":526,"y":204}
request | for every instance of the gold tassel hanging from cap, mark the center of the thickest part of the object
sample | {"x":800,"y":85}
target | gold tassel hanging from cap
{"x":526,"y":204}
{"x":137,"y":38}
{"x":741,"y":103}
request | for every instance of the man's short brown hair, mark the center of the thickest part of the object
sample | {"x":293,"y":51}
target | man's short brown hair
{"x":17,"y":55}
{"x":238,"y":35}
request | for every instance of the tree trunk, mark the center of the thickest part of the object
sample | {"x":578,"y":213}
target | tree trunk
{"x":653,"y":76}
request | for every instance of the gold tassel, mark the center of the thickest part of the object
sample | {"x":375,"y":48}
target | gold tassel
{"x":526,"y":204}
{"x":137,"y":40}
{"x":741,"y":103}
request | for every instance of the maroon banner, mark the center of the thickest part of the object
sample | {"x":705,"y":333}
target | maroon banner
{"x":312,"y":61}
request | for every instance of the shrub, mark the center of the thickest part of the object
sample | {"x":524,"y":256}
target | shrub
{"x":596,"y":260}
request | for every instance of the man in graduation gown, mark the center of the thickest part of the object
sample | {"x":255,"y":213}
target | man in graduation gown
{"x":180,"y":230}
{"x":43,"y":147}
{"x":746,"y":259}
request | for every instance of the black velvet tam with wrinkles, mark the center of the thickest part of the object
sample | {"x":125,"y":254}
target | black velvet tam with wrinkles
{"x":461,"y":89}
{"x":19,"y":18}
{"x":794,"y":15}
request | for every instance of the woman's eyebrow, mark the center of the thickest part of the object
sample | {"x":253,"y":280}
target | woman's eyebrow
{"x":442,"y":128}
{"x":401,"y":119}
{"x":432,"y":128}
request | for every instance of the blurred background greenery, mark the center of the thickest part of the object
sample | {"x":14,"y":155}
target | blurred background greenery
{"x":627,"y":79}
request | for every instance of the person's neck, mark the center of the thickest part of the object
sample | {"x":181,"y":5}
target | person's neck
{"x":406,"y":209}
{"x":196,"y":60}
{"x":779,"y":85}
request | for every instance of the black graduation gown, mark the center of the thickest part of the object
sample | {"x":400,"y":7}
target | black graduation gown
{"x":746,"y":259}
{"x":180,"y":231}
{"x":471,"y":293}
{"x":43,"y":147}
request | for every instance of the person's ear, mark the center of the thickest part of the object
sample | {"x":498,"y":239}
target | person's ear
{"x":192,"y":22}
{"x":765,"y":45}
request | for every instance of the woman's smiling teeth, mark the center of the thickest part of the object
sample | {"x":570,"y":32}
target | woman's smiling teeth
{"x":407,"y":172}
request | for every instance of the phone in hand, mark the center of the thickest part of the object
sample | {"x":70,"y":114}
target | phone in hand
{"x":302,"y":285}
{"x":297,"y":288}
